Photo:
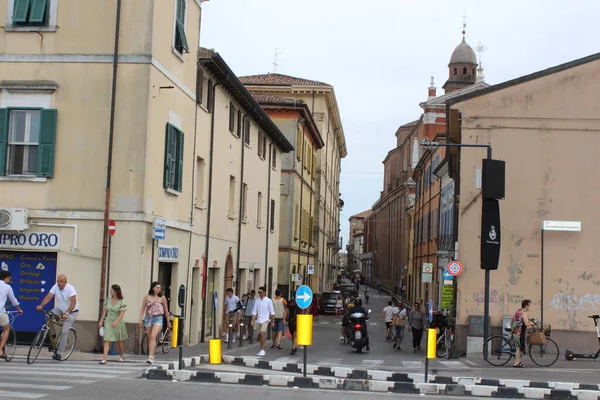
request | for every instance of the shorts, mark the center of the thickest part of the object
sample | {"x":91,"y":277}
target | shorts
{"x":4,"y":319}
{"x":279,"y":326}
{"x":398,"y":331}
{"x":262,"y":327}
{"x":388,"y":324}
{"x":150,"y":321}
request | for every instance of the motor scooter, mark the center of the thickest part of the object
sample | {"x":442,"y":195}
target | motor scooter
{"x":357,"y":331}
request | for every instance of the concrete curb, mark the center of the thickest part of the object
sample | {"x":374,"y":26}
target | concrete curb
{"x":340,"y":378}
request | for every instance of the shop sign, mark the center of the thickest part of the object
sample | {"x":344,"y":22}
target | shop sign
{"x":168,"y":253}
{"x":30,"y":241}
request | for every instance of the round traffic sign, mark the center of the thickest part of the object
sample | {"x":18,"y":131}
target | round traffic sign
{"x":447,"y":276}
{"x":455,"y":268}
{"x":304,"y":296}
{"x":112,"y":227}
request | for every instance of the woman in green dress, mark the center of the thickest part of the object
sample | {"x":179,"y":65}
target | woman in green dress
{"x":114,"y":326}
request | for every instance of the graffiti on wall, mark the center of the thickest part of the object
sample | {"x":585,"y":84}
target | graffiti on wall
{"x":573,"y":302}
{"x":497,"y":297}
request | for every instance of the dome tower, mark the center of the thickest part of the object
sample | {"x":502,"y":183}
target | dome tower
{"x":462,"y":69}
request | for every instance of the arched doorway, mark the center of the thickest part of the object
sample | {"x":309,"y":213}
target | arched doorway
{"x":227,"y":282}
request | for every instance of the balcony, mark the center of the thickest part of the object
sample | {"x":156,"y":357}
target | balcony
{"x":445,"y":242}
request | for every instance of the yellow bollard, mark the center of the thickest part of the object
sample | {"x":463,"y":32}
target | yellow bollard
{"x":214,"y":351}
{"x":304,"y":324}
{"x":174,"y":332}
{"x":431,"y":342}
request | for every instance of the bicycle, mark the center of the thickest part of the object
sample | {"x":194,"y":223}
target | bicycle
{"x":544,"y":355}
{"x":164,"y":339}
{"x":444,"y":343}
{"x":11,"y":344}
{"x":53,"y":323}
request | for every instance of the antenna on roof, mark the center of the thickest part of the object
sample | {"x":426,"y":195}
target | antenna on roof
{"x":275,"y":64}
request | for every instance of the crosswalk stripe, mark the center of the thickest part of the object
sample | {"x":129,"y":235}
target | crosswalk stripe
{"x":288,"y":360}
{"x":55,"y":373}
{"x":55,"y":379}
{"x":372,"y":362}
{"x":34,"y":386}
{"x":413,"y":364}
{"x":82,"y":369}
{"x":453,"y":364}
{"x":21,"y":395}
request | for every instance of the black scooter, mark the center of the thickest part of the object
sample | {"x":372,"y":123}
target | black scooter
{"x":357,"y":331}
{"x":570,"y":356}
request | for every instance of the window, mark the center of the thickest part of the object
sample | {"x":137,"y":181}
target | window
{"x":173,"y":175}
{"x":309,"y":159}
{"x":299,"y":136}
{"x":274,"y":157}
{"x":296,"y":218}
{"x":231,"y":211}
{"x":272,"y":224}
{"x":199,"y":85}
{"x":31,"y":12}
{"x":181,"y":44}
{"x":262,"y":145}
{"x":199,"y":181}
{"x":247,"y":132}
{"x":231,"y":117}
{"x":310,"y":232}
{"x":239,"y":123}
{"x":314,"y":165}
{"x":244,"y":200}
{"x":209,"y":95}
{"x":259,"y":210}
{"x":27,"y":139}
{"x":464,"y":71}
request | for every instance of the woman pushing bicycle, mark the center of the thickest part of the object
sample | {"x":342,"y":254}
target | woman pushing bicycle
{"x":154,"y":309}
{"x":519,"y":323}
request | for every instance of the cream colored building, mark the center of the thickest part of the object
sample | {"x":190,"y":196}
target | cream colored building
{"x":546,"y":127}
{"x":320,"y":97}
{"x":174,"y":161}
{"x":298,"y":188}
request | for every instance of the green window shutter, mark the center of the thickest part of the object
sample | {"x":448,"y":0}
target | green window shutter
{"x":183,"y":44}
{"x":181,"y":11}
{"x":3,"y":139}
{"x":21,"y":10}
{"x":38,"y":11}
{"x":179,"y":164}
{"x":169,"y":155}
{"x":45,"y":166}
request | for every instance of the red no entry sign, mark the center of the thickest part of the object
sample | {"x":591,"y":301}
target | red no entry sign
{"x":112,"y":227}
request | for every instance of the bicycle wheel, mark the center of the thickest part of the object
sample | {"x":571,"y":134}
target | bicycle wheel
{"x":544,"y":355}
{"x":441,"y":348}
{"x":498,"y":350}
{"x":145,"y":344}
{"x":11,"y":345}
{"x":70,"y":346}
{"x":36,"y":346}
{"x":167,"y":343}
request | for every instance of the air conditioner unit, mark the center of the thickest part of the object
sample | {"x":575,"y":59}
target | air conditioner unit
{"x":13,"y":219}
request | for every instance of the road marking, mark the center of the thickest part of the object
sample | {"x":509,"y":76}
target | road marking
{"x":330,"y":361}
{"x":472,"y":363}
{"x":413,"y":364}
{"x":21,"y":395}
{"x":372,"y":362}
{"x":287,"y":360}
{"x":34,"y":386}
{"x":454,"y":364}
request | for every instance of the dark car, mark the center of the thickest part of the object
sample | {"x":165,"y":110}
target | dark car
{"x":327,"y":302}
{"x":348,"y":290}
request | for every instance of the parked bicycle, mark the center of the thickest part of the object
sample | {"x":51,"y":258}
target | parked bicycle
{"x":11,"y":344}
{"x":164,"y":339}
{"x":445,"y":342}
{"x":51,"y":331}
{"x":499,"y":350}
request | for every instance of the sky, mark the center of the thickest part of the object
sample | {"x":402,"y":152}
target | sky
{"x":379,"y":56}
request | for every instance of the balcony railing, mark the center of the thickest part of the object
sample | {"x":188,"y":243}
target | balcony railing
{"x":445,"y":242}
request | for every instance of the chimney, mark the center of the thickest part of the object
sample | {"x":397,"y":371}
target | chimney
{"x":431,"y":90}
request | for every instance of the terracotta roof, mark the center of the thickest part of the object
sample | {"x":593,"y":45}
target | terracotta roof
{"x":413,"y":123}
{"x":267,"y":98}
{"x":278,"y":80}
{"x":363,"y":214}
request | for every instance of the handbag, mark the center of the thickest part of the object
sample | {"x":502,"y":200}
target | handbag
{"x":101,"y":331}
{"x":399,"y":321}
{"x":287,"y":333}
{"x":537,"y":338}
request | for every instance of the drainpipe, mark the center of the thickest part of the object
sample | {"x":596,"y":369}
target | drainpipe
{"x":239,"y":247}
{"x":111,"y":132}
{"x":209,"y":206}
{"x":325,"y":202}
{"x":268,"y":230}
{"x":302,"y":162}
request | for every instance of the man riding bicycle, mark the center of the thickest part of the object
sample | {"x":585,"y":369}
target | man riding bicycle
{"x":6,"y":292}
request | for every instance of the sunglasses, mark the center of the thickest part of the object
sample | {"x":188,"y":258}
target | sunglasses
{"x":260,"y":292}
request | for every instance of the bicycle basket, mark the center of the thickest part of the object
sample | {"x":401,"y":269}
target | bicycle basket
{"x":547,"y":329}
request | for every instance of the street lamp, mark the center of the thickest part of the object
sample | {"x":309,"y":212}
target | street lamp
{"x":492,"y":191}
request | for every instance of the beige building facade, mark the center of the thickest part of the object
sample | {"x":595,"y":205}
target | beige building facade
{"x":174,"y":162}
{"x":545,"y":126}
{"x":320,"y":98}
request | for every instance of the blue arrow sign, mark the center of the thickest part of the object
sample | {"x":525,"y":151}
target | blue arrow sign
{"x":447,"y":275}
{"x":304,"y":296}
{"x":158,"y":233}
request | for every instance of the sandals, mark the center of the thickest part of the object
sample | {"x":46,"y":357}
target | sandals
{"x":150,"y":360}
{"x":122,"y":359}
{"x":519,"y":365}
{"x":102,"y":362}
{"x":273,"y":346}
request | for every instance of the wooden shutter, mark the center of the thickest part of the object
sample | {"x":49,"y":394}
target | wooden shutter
{"x":183,"y":43}
{"x":21,"y":10}
{"x":45,"y":167}
{"x":3,"y":139}
{"x":181,"y":11}
{"x":231,"y":117}
{"x":179,"y":164}
{"x":169,"y":156}
{"x":199,"y":85}
{"x":38,"y":11}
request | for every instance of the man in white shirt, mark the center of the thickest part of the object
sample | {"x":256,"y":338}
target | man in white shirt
{"x":67,"y":308}
{"x":6,"y":292}
{"x":262,"y":314}
{"x":231,"y":300}
{"x":387,"y":316}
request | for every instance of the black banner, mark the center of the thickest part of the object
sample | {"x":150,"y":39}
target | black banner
{"x":490,"y":234}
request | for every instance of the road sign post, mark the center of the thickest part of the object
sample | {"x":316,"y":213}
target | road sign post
{"x":159,"y":232}
{"x":304,"y":297}
{"x":112,"y":229}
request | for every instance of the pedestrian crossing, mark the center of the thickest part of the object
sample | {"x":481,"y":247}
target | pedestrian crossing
{"x":47,"y":377}
{"x":379,"y":364}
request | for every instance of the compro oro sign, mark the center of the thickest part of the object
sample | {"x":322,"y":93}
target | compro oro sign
{"x":41,"y":241}
{"x":573,"y":226}
{"x":168,"y":253}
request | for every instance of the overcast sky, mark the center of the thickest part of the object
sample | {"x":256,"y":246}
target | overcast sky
{"x":379,"y":56}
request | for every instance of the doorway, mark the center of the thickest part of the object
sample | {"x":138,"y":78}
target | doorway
{"x":195,"y":304}
{"x":165,"y":272}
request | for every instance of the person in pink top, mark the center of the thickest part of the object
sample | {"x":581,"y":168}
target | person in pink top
{"x":154,"y":308}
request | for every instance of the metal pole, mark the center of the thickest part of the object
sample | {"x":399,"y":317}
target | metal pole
{"x":426,"y":368}
{"x":152,"y":262}
{"x":542,"y":283}
{"x":305,"y":357}
{"x":214,"y":319}
{"x":108,"y":262}
{"x":486,"y":308}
